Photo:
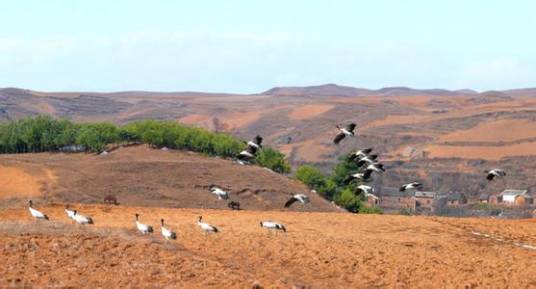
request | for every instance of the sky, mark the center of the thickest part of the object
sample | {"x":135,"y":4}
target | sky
{"x":250,"y":46}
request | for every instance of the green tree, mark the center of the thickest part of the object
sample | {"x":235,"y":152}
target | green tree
{"x":272,"y":159}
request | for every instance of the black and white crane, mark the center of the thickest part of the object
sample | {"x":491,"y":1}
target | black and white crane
{"x":143,"y":228}
{"x":273,"y":226}
{"x":366,"y":160}
{"x":364,"y":176}
{"x":411,"y":186}
{"x":207,"y":228}
{"x":248,"y":154}
{"x":35,"y":213}
{"x":344,"y":132}
{"x":221,"y":194}
{"x":376,"y":167}
{"x":365,"y":189}
{"x":256,"y":142}
{"x":303,"y":199}
{"x":69,"y":212}
{"x":168,"y":234}
{"x":81,"y":219}
{"x":360,"y":154}
{"x":494,"y":174}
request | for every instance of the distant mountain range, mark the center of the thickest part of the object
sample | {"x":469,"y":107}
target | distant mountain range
{"x":339,"y":90}
{"x":317,"y":90}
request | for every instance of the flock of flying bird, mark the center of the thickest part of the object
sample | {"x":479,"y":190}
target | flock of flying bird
{"x":363,"y":158}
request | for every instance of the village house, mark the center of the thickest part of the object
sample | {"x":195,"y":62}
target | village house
{"x":456,"y":199}
{"x":513,"y":198}
{"x":391,"y":199}
{"x":483,"y":198}
{"x":373,"y":200}
{"x":424,"y":199}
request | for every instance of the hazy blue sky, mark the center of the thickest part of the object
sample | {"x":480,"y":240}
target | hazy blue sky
{"x":249,"y":46}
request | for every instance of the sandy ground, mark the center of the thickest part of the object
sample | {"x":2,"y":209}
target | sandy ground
{"x":319,"y":250}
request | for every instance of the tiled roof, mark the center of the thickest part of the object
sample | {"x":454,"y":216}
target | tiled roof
{"x":513,"y":192}
{"x":420,"y":194}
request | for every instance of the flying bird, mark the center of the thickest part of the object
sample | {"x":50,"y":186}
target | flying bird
{"x":256,"y":142}
{"x":247,"y":154}
{"x":360,"y":154}
{"x":411,"y":186}
{"x":376,"y":167}
{"x":35,"y":213}
{"x":273,"y":226}
{"x":297,"y":198}
{"x":365,"y":189}
{"x":221,"y":194}
{"x":343,"y":132}
{"x":365,"y":160}
{"x":364,"y":176}
{"x":495,"y":173}
{"x":167,"y":233}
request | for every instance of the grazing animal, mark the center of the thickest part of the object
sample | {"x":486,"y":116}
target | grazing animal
{"x":360,"y":154}
{"x":221,"y":194}
{"x":495,"y":173}
{"x":234,"y":205}
{"x":111,"y":199}
{"x":344,"y":132}
{"x":411,"y":186}
{"x":143,"y":228}
{"x":35,"y":213}
{"x":364,"y":176}
{"x":81,"y":219}
{"x":297,"y":198}
{"x":205,"y":226}
{"x":273,"y":226}
{"x":69,"y":212}
{"x":167,"y":233}
{"x":256,"y":142}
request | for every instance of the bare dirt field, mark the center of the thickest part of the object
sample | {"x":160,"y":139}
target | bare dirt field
{"x":319,"y":250}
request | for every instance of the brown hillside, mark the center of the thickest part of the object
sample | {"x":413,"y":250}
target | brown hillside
{"x":147,"y":177}
{"x":432,"y":131}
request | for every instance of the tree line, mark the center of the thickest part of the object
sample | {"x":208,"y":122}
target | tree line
{"x":47,"y":134}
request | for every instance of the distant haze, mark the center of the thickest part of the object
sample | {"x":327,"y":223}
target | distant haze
{"x":250,"y":46}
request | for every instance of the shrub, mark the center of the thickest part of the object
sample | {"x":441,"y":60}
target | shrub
{"x":370,"y":210}
{"x":311,"y":176}
{"x":272,"y":159}
{"x":348,"y":199}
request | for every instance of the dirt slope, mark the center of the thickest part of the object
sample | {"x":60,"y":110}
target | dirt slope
{"x":147,"y":177}
{"x":320,"y":250}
